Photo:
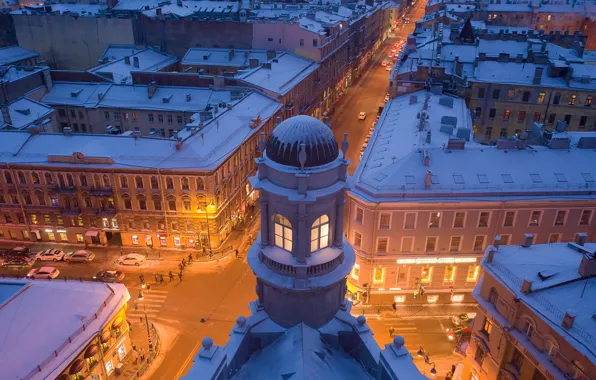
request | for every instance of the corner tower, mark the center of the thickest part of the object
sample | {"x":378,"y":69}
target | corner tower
{"x":301,"y":258}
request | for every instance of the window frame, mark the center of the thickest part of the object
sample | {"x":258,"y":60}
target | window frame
{"x":458,"y":249}
{"x":513,"y":220}
{"x":405,"y":226}
{"x":487,"y":221}
{"x":318,"y":225}
{"x":483,"y":243}
{"x":436,"y":240}
{"x":539,"y":220}
{"x":463,"y":225}
{"x":388,"y":226}
{"x":359,"y":211}
{"x":284,"y":228}
{"x":379,"y":239}
{"x":430,"y":217}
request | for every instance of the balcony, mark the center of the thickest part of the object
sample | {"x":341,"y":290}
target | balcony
{"x":59,"y":189}
{"x":102,"y":191}
{"x":73,"y":211}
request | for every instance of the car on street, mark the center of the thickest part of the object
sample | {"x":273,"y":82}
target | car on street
{"x":109,"y":276}
{"x":362,"y":116}
{"x":81,"y":256}
{"x":43,"y":272}
{"x":50,"y":255}
{"x":131,"y":259}
{"x":19,"y":251}
{"x":18,"y":262}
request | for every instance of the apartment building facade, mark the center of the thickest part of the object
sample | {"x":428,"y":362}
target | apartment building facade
{"x":424,"y":205}
{"x":526,"y":327}
{"x":137,"y":191}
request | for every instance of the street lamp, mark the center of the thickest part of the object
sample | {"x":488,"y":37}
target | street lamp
{"x":424,"y":354}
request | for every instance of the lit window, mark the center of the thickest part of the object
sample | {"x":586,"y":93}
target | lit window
{"x":572,"y":100}
{"x":105,"y":222}
{"x":435,"y":219}
{"x":473,"y":273}
{"x":535,"y":218}
{"x":283,"y":233}
{"x":359,"y":215}
{"x":355,"y":272}
{"x":379,"y":275}
{"x":432,"y":299}
{"x":399,"y":299}
{"x":177,"y":241}
{"x":541,"y":97}
{"x":426,"y":274}
{"x":588,"y":102}
{"x":135,"y":240}
{"x":319,"y":234}
{"x":457,"y":298}
{"x":449,"y":274}
{"x":549,"y":17}
{"x":487,"y":327}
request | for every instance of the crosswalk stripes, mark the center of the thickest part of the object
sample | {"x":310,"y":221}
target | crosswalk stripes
{"x":151,"y":304}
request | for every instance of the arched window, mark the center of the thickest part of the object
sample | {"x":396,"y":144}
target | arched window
{"x":48,"y":178}
{"x":528,"y":327}
{"x":35,"y":178}
{"x":8,"y":177}
{"x":319,"y":234}
{"x":139,"y":182}
{"x":123,"y":181}
{"x":169,"y":183}
{"x":184,"y":183}
{"x":154,"y":183}
{"x":22,"y":178}
{"x":577,"y":370}
{"x":106,"y":180}
{"x":283,"y":233}
{"x":61,"y":180}
{"x":200,"y":184}
{"x":551,"y":347}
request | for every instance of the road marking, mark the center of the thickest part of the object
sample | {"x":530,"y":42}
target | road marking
{"x":442,"y":327}
{"x":188,"y":359}
{"x":405,"y":328}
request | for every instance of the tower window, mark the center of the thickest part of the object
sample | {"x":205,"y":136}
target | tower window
{"x":319,"y":234}
{"x":283,"y":233}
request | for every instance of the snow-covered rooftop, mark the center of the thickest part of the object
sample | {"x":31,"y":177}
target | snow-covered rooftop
{"x":148,"y":60}
{"x":13,"y":54}
{"x":116,"y":52}
{"x":224,"y":57}
{"x":188,"y":7}
{"x":205,"y":150}
{"x":30,"y":339}
{"x":392,"y":166}
{"x":75,"y":94}
{"x":82,"y":9}
{"x":557,"y":287}
{"x":287,"y":70}
{"x":23,"y":112}
{"x":15,"y":73}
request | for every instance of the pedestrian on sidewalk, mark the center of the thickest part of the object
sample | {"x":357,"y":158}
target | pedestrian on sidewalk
{"x":156,"y":278}
{"x":135,"y":354}
{"x":190,"y":258}
{"x":142,"y":278}
{"x":180,"y":266}
{"x":180,"y":276}
{"x":210,"y":254}
{"x":142,"y":354}
{"x":391,"y":331}
{"x":183,"y":262}
{"x":237,"y":253}
{"x":171,"y":275}
{"x":161,"y":278}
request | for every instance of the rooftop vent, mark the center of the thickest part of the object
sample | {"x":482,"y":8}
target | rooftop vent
{"x":528,"y":238}
{"x":188,"y":97}
{"x":568,"y":320}
{"x":545,"y":275}
{"x":455,"y":143}
{"x":166,"y":99}
{"x":67,"y":131}
{"x":76,"y":93}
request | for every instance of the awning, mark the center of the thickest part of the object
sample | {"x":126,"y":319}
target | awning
{"x":91,"y":351}
{"x":92,"y":233}
{"x":105,"y":336}
{"x":118,"y":322}
{"x":77,"y":366}
{"x":352,"y":288}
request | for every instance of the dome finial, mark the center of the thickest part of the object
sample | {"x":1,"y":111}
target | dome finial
{"x":344,"y":144}
{"x":302,"y":156}
{"x":261,"y":145}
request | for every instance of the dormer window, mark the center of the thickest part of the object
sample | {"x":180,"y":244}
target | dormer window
{"x":319,"y":234}
{"x":283,"y":233}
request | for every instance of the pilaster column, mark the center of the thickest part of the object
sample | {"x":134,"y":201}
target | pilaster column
{"x":264,"y":204}
{"x":338,"y":234}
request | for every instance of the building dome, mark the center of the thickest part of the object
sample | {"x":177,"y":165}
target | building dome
{"x":320,"y":144}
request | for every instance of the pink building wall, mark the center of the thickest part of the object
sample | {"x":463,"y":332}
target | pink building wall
{"x":290,"y":36}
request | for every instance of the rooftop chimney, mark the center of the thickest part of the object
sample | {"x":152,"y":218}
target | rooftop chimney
{"x":253,"y":62}
{"x":271,"y":54}
{"x":528,"y":240}
{"x":526,"y":287}
{"x":135,"y":61}
{"x":426,"y":159}
{"x":127,"y":60}
{"x":581,"y":238}
{"x":497,"y":242}
{"x":428,"y":177}
{"x":537,"y":75}
{"x":151,"y":88}
{"x":568,"y":320}
{"x":188,"y":98}
{"x":277,"y":120}
{"x":491,"y":256}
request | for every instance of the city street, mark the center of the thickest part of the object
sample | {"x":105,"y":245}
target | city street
{"x":367,"y":94}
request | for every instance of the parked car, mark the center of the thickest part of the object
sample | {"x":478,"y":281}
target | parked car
{"x":131,"y":259}
{"x":109,"y":276}
{"x":19,"y":251}
{"x":18,"y":262}
{"x":43,"y":272}
{"x":50,"y":255}
{"x":82,"y":256}
{"x":464,"y":319}
{"x":362,"y":116}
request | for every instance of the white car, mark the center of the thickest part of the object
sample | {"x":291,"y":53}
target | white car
{"x":82,"y":255}
{"x":50,"y":255}
{"x":362,"y":116}
{"x":43,"y":272}
{"x":131,"y":259}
